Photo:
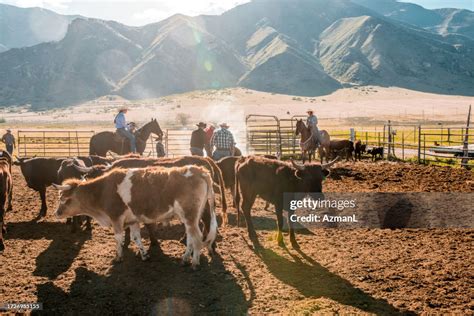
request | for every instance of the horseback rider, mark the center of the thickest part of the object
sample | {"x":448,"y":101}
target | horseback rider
{"x":312,"y":123}
{"x":123,"y":129}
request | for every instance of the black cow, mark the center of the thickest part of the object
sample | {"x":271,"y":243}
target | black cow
{"x":270,"y":179}
{"x":343,"y":148}
{"x":359,"y":149}
{"x":40,"y":173}
{"x":376,"y":151}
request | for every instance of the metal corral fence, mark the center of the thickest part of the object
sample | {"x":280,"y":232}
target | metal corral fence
{"x":268,"y":134}
{"x":53,"y":143}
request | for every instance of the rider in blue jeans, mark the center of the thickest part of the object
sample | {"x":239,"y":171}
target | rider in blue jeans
{"x":122,"y":128}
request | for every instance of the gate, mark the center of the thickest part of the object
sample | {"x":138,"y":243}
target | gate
{"x":50,"y":143}
{"x":263,"y":135}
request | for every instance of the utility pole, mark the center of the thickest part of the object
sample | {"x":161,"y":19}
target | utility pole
{"x":465,"y":159}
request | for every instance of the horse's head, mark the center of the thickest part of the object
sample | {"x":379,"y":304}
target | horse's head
{"x":300,"y":126}
{"x":156,"y":129}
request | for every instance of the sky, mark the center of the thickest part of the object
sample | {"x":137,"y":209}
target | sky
{"x":141,"y":12}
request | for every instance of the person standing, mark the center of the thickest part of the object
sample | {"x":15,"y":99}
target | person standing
{"x":198,"y":140}
{"x":312,"y":122}
{"x":209,"y":133}
{"x":223,"y":140}
{"x":9,"y":141}
{"x":122,"y":128}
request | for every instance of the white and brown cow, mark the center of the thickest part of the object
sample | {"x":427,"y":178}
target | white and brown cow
{"x":125,"y":197}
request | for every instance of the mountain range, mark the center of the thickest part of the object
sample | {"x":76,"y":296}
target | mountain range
{"x":298,"y":47}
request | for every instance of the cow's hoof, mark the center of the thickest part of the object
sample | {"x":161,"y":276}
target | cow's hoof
{"x":195,"y":267}
{"x":183,"y":263}
{"x":146,"y":257}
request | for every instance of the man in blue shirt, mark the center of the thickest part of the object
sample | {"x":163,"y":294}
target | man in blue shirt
{"x":312,"y":123}
{"x":122,"y":128}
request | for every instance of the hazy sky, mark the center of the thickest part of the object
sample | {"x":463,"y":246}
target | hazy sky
{"x":141,"y":12}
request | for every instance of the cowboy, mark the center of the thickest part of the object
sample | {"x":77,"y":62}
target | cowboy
{"x":123,"y":129}
{"x":209,"y":132}
{"x":312,"y":123}
{"x":198,"y":140}
{"x":9,"y":141}
{"x":160,"y":148}
{"x":223,"y":140}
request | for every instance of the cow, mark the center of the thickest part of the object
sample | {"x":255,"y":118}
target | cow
{"x":376,"y":151}
{"x":6,"y":185}
{"x":270,"y":179}
{"x":343,"y":148}
{"x":40,"y":173}
{"x":359,"y":149}
{"x":208,"y":163}
{"x":124,"y":198}
{"x":227,"y":167}
{"x":67,"y":171}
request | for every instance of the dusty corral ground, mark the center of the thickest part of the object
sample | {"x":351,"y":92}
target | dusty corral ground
{"x":362,"y":271}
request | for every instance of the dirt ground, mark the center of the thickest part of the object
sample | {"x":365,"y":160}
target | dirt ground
{"x":363,"y":271}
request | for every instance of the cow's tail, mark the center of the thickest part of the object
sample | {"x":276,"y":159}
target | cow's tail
{"x":236,"y":193}
{"x":225,"y":219}
{"x":212,"y":224}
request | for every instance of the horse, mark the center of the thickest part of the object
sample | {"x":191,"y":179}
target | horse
{"x":103,"y":142}
{"x":308,"y":145}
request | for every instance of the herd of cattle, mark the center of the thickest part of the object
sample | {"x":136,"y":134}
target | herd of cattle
{"x":125,"y":191}
{"x":350,"y":150}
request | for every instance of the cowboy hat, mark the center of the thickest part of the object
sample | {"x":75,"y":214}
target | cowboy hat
{"x":123,"y":108}
{"x":201,"y":124}
{"x":309,"y":110}
{"x":9,"y":130}
{"x":224,"y":125}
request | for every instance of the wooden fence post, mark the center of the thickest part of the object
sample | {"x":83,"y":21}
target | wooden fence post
{"x":419,"y":143}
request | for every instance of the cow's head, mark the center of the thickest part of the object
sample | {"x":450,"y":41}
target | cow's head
{"x":92,"y":172}
{"x":311,"y":176}
{"x":67,"y":170}
{"x":69,"y":203}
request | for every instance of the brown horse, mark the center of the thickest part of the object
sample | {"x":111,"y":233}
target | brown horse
{"x":103,"y":142}
{"x":308,"y":145}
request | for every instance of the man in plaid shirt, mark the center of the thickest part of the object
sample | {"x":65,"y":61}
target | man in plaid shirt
{"x":224,"y":142}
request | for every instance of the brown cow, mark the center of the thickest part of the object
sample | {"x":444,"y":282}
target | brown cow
{"x":5,"y":195}
{"x":270,"y":179}
{"x":124,"y":198}
{"x":208,"y":163}
{"x":227,"y":167}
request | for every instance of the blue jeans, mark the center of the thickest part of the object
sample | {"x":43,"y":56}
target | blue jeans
{"x":130,"y":137}
{"x":221,"y":153}
{"x":197,"y":151}
{"x":9,"y":148}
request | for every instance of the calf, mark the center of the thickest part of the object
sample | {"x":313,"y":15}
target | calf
{"x":376,"y":151}
{"x":68,"y":170}
{"x":205,"y":162}
{"x":5,"y":195}
{"x":359,"y":149}
{"x":125,"y":197}
{"x":343,"y":148}
{"x":270,"y":179}
{"x":40,"y":173}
